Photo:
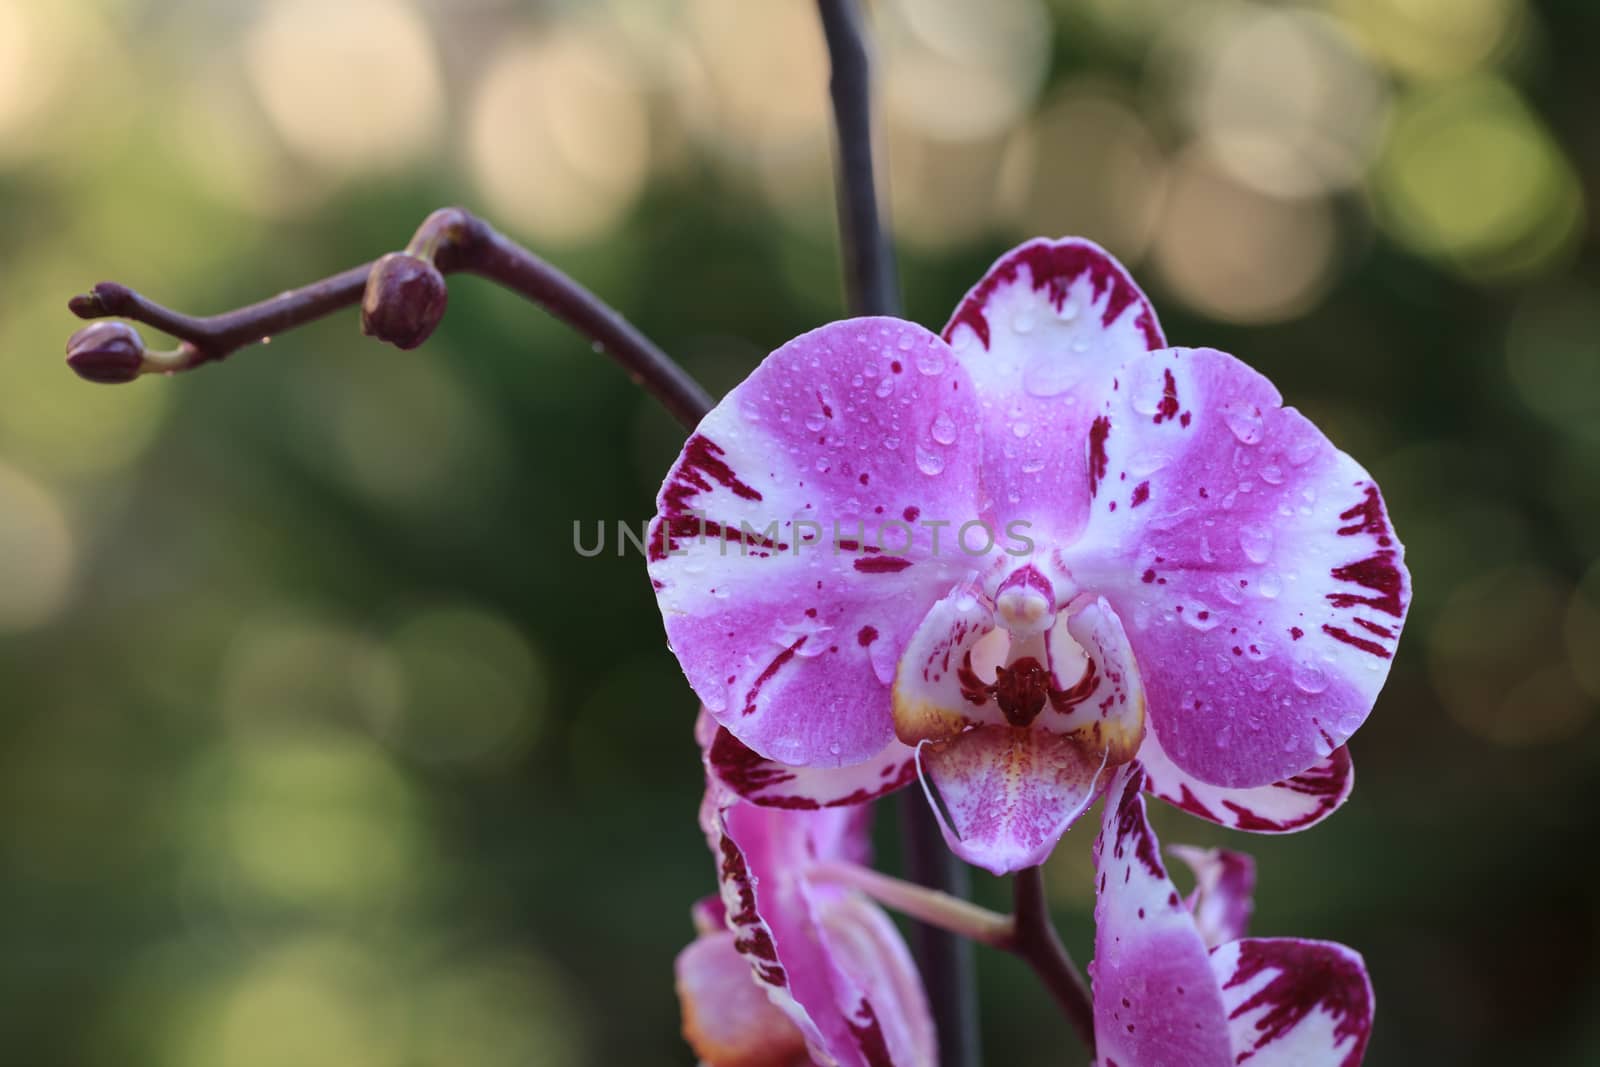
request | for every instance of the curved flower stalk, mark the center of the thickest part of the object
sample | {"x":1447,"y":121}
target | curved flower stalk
{"x":1019,"y":555}
{"x":1176,"y":982}
{"x":788,"y":969}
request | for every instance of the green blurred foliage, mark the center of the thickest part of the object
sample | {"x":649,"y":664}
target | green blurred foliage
{"x":321,"y":745}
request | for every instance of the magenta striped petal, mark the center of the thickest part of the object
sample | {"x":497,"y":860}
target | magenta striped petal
{"x":1162,"y":997}
{"x":1224,"y":888}
{"x":1294,"y":1003}
{"x":786,"y":551}
{"x":1042,"y":335}
{"x":1252,"y":562}
{"x":777,"y":785}
{"x":1155,"y":1000}
{"x":1282,"y":807}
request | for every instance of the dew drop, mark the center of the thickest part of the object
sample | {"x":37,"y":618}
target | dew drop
{"x":885,"y":387}
{"x":1067,"y":311}
{"x":1021,"y":429}
{"x":823,"y":466}
{"x":882,"y":658}
{"x":1272,"y":474}
{"x":1033,"y":465}
{"x":835,"y":748}
{"x":815,"y":422}
{"x":1145,"y":463}
{"x":1147,"y":387}
{"x":1244,"y":419}
{"x":1046,"y":374}
{"x":1256,"y":541}
{"x":1228,"y":589}
{"x":891,"y":443}
{"x":1301,"y":451}
{"x":905,"y":342}
{"x":1269,"y":585}
{"x":929,"y":462}
{"x":943,"y":428}
{"x":1198,"y":617}
{"x":1309,"y":677}
{"x":1261,"y":682}
{"x":930,"y":362}
{"x":1022,"y":322}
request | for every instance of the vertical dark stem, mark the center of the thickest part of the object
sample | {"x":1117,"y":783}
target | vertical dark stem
{"x":871,"y":289}
{"x":870,"y":284}
{"x":946,"y":961}
{"x":1036,"y":941}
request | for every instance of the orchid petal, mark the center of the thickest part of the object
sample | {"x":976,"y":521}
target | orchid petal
{"x":777,"y":785}
{"x":1253,"y":562}
{"x":1010,"y":792}
{"x":1155,"y":999}
{"x":1294,"y":1003}
{"x":1042,"y":335}
{"x":1224,"y":882}
{"x":727,"y":1018}
{"x":876,"y":985}
{"x":1104,"y":705}
{"x":939,"y":686}
{"x":1292,"y":804}
{"x":785,"y":552}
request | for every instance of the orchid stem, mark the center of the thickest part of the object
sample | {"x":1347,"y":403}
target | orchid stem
{"x":462,"y":243}
{"x":950,"y":913}
{"x":871,"y":289}
{"x":1035,"y":941}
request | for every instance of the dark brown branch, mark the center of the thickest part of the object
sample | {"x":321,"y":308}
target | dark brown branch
{"x":870,"y":285}
{"x":462,"y":243}
{"x":1035,"y":941}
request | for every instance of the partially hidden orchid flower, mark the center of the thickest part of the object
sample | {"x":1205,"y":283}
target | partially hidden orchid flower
{"x":790,"y":969}
{"x":1020,"y":555}
{"x":1176,"y":982}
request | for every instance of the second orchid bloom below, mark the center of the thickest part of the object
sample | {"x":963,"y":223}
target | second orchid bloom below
{"x":1019,"y":555}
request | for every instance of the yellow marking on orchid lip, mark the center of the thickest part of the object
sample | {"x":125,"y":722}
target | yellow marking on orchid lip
{"x":923,"y":720}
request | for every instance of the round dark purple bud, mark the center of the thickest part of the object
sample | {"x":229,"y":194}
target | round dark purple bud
{"x":404,"y":301}
{"x":107,"y":352}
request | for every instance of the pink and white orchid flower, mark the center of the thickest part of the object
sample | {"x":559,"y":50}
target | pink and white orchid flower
{"x":789,"y":969}
{"x":1019,"y":555}
{"x":1176,"y":982}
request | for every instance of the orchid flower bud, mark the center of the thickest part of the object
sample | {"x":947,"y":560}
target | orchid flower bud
{"x":404,"y":301}
{"x":107,"y":352}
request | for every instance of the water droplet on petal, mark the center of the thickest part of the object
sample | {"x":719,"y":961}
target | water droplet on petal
{"x":929,"y":462}
{"x":815,"y":422}
{"x":823,"y":466}
{"x":1272,"y":474}
{"x":1269,"y":585}
{"x":1067,"y":311}
{"x":885,"y":387}
{"x":905,"y":342}
{"x":1198,"y":616}
{"x":1021,"y":429}
{"x":1256,"y":541}
{"x":1022,"y":322}
{"x":943,"y":428}
{"x":1033,"y":465}
{"x":1302,"y":450}
{"x":891,"y":443}
{"x":1148,"y":387}
{"x":1228,"y":589}
{"x":883,"y":660}
{"x":1309,"y":677}
{"x":1244,"y":419}
{"x":1046,"y":374}
{"x":930,"y":362}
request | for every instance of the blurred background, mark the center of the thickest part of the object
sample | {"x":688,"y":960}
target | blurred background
{"x":320,"y":746}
